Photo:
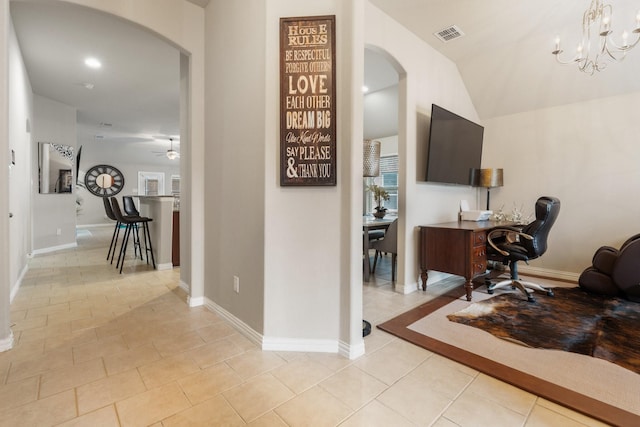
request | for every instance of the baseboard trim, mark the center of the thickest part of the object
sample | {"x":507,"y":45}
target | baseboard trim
{"x":54,"y":248}
{"x":351,"y":351}
{"x":164,"y":266}
{"x":16,"y":286}
{"x":184,"y":286}
{"x":196,"y":302}
{"x":6,"y":343}
{"x":301,"y":345}
{"x":565,"y":276}
{"x":238,"y":324}
{"x":102,"y":224}
{"x":285,"y":344}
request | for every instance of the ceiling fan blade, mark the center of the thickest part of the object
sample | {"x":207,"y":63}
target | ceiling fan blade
{"x":166,"y":137}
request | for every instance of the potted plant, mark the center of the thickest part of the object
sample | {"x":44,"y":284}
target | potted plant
{"x":380,"y":195}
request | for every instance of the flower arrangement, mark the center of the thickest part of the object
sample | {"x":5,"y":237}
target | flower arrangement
{"x":380,"y":195}
{"x":515,"y":216}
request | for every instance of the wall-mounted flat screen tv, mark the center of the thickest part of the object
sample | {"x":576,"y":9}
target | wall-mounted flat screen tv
{"x":455,"y":147}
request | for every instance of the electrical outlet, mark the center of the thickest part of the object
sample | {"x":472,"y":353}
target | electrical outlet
{"x":59,"y":232}
{"x":236,"y":284}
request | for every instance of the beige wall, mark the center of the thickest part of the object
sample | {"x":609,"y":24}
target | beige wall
{"x":585,"y":154}
{"x":234,"y":176}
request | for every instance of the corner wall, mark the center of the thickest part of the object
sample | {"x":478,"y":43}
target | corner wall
{"x":586,"y":154}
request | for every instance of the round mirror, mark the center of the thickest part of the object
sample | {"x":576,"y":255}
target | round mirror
{"x":104,"y":180}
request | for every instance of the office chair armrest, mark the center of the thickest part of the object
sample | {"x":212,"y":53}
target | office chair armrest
{"x":505,"y":232}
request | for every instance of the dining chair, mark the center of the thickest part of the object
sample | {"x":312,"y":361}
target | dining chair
{"x":387,"y":244}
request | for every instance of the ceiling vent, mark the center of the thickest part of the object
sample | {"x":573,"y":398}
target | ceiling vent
{"x":450,"y":33}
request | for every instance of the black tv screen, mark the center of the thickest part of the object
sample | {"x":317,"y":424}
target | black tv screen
{"x":455,"y":147}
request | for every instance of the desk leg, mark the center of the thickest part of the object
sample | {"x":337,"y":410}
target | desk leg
{"x":424,"y":276}
{"x":468,"y":287}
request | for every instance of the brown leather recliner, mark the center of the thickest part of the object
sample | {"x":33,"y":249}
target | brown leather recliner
{"x":615,"y":272}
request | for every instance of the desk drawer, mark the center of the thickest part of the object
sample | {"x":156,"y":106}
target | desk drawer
{"x":479,"y":253}
{"x":479,"y":238}
{"x":479,"y":267}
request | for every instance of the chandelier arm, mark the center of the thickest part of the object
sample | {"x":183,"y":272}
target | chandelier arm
{"x":597,"y":21}
{"x":557,"y":55}
{"x":626,"y":47}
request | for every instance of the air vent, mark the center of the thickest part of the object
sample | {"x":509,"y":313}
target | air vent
{"x":450,"y":33}
{"x":105,"y":125}
{"x":98,"y":137}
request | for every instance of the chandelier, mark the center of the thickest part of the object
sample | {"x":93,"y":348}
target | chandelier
{"x":596,"y":32}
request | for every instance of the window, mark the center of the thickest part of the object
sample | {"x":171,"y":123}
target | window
{"x":150,"y":183}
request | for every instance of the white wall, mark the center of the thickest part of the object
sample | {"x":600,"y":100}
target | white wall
{"x":20,"y":120}
{"x":56,"y":212}
{"x":303,"y":239}
{"x":585,"y":154}
{"x":6,"y":336}
{"x":426,"y":77}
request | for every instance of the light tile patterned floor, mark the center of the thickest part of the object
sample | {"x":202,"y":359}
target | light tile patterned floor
{"x":97,"y":348}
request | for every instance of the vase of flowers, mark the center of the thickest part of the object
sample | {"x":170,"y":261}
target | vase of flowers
{"x":379,"y":195}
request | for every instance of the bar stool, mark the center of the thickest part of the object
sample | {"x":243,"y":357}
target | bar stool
{"x":131,"y":222}
{"x":116,"y":230}
{"x":130,"y":209}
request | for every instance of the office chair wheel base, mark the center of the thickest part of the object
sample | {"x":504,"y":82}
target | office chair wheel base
{"x":550,"y":293}
{"x":530,"y":299}
{"x":489,"y":287}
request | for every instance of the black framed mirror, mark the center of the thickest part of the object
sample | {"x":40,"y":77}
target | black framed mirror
{"x":55,"y":168}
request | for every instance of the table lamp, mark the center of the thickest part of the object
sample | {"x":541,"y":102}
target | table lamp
{"x":487,"y":178}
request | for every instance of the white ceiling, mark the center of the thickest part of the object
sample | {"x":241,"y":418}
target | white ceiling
{"x":136,"y":91}
{"x":504,"y":58}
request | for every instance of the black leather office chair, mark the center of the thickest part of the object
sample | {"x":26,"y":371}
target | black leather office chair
{"x":512,"y":244}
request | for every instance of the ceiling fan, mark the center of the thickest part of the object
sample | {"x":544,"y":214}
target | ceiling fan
{"x":170,"y":153}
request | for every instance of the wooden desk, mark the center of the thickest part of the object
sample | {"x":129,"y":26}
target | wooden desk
{"x":371,"y":223}
{"x":458,"y":248}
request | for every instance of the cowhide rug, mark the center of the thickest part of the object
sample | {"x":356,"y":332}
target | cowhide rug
{"x":572,"y":320}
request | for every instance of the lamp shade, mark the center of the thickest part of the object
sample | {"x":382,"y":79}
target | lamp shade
{"x":487,"y":178}
{"x":371,"y":158}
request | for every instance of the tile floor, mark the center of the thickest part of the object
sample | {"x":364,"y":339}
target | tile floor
{"x":95,"y":348}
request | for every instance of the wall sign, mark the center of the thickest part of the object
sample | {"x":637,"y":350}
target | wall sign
{"x":307,"y":101}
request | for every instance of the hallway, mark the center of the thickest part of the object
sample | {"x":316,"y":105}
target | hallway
{"x":93,"y":347}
